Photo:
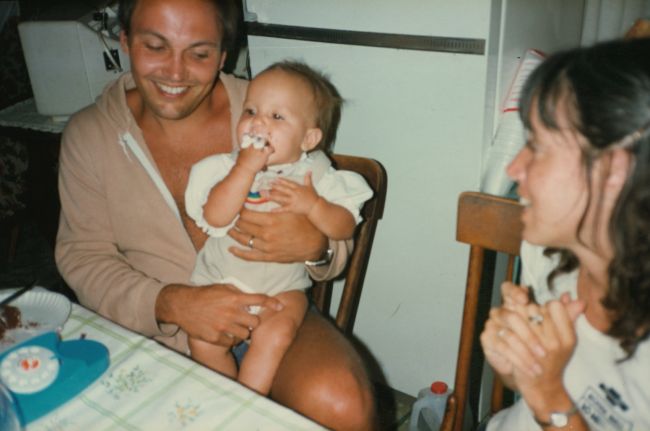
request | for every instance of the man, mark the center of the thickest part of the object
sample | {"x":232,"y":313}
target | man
{"x":125,"y":243}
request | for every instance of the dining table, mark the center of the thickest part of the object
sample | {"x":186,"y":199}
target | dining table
{"x":148,"y":386}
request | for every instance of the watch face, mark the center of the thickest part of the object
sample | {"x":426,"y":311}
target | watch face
{"x":559,"y":419}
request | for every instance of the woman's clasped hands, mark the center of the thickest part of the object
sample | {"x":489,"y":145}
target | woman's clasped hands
{"x":529,"y":345}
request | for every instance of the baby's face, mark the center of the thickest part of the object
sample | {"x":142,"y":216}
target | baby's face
{"x":279,"y":111}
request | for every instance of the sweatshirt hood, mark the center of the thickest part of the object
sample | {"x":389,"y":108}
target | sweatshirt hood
{"x":113,"y":101}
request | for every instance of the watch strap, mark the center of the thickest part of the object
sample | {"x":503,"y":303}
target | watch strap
{"x":325,"y":259}
{"x":558,"y":419}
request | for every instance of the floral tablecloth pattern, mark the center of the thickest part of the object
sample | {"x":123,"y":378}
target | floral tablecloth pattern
{"x":149,"y":387}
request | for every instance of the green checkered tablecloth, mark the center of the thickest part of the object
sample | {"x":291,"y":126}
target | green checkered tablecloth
{"x":149,"y":387}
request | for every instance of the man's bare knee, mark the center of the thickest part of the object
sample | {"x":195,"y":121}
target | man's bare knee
{"x":345,"y":400}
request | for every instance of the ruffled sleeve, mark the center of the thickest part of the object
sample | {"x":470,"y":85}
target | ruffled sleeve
{"x":203,"y":176}
{"x":345,"y":188}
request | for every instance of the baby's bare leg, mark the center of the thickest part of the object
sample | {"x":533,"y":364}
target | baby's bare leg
{"x":270,"y":340}
{"x":218,"y":358}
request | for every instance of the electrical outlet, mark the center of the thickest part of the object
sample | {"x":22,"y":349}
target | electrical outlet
{"x":113,"y":64}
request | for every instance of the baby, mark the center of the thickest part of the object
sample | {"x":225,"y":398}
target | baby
{"x":289,"y":113}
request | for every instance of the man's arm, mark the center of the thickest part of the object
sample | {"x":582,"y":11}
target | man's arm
{"x":217,"y":313}
{"x":86,"y":252}
{"x":334,"y":221}
{"x":124,"y":278}
{"x":288,"y":237}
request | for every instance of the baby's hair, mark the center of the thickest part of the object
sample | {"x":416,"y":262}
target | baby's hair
{"x":326,"y":97}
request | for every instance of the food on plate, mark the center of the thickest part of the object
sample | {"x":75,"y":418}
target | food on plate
{"x":10,"y":318}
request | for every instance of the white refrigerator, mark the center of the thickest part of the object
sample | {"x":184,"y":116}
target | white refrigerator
{"x":423,"y":82}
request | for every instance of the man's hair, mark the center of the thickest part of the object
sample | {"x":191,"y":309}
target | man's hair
{"x":327,"y":99}
{"x":228,"y":18}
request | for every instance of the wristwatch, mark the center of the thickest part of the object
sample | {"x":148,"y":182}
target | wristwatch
{"x":325,"y":259}
{"x":558,"y":419}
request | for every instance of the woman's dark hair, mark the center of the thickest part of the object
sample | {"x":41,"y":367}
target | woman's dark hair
{"x":326,"y":97}
{"x":606,"y":89}
{"x":228,"y":18}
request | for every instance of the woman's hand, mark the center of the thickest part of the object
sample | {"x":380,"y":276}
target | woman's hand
{"x":554,"y":326}
{"x":507,"y":340}
{"x":510,"y":344}
{"x":517,"y":341}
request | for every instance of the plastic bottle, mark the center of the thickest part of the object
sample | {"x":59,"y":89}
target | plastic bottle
{"x":510,"y":134}
{"x":429,"y":409}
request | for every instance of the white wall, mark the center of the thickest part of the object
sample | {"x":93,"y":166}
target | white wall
{"x":428,"y":117}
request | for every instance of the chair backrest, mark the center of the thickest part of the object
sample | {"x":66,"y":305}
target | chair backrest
{"x":354,"y":274}
{"x":485,"y":222}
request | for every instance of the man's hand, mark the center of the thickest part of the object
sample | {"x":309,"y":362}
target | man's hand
{"x":217,"y":313}
{"x":277,"y":237}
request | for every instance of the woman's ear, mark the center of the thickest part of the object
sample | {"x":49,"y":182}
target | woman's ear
{"x":312,"y":138}
{"x":620,"y":166}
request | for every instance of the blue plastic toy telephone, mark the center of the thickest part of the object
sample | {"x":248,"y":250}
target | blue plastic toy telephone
{"x":44,"y":372}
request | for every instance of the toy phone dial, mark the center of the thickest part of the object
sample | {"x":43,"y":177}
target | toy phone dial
{"x":44,"y":372}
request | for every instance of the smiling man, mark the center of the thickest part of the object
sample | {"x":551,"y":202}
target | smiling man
{"x":126,"y":245}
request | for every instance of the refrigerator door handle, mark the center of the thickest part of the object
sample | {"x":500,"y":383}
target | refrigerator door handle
{"x":455,"y":45}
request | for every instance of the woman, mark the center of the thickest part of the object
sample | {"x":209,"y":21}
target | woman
{"x":581,"y":359}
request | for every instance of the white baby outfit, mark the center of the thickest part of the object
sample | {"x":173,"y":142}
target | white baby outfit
{"x":215,"y":264}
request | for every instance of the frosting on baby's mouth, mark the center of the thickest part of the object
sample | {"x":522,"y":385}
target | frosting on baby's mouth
{"x":258,"y":142}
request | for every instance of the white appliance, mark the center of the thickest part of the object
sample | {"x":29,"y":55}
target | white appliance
{"x":424,"y":81}
{"x":70,"y":61}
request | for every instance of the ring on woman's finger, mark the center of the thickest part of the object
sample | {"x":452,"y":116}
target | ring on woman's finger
{"x":502,"y":332}
{"x":250,"y":241}
{"x":537,"y":319}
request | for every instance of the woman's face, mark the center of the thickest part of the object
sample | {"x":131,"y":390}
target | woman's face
{"x":551,"y":182}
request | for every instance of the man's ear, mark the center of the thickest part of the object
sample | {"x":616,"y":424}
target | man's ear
{"x":312,"y":138}
{"x":223,"y":59}
{"x":124,"y":42}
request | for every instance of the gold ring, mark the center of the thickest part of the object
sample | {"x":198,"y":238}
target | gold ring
{"x":537,"y":319}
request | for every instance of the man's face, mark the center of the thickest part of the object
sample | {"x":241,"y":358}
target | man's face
{"x":175,"y":52}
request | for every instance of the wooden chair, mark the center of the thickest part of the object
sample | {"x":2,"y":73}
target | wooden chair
{"x":372,"y":211}
{"x":485,"y":222}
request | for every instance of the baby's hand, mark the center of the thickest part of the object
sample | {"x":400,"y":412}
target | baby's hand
{"x":294,"y":197}
{"x":254,"y":159}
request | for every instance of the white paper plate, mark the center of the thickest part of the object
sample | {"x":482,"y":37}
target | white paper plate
{"x":41,"y":311}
